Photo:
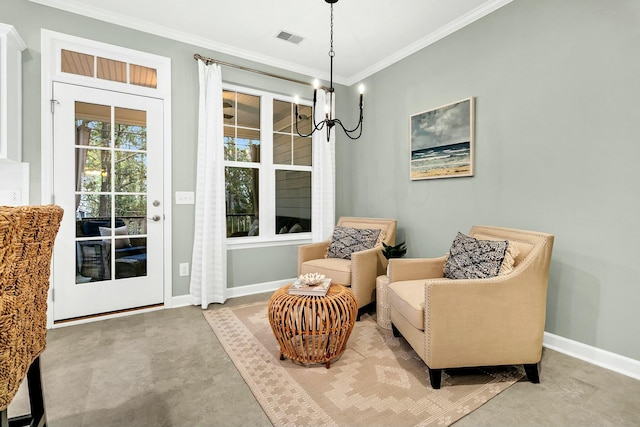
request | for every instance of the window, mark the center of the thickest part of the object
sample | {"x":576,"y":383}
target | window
{"x":268,"y":166}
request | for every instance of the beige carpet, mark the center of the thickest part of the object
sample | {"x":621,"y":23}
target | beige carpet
{"x":378,"y":381}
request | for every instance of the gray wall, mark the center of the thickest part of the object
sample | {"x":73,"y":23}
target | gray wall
{"x":557,"y":87}
{"x":28,"y":18}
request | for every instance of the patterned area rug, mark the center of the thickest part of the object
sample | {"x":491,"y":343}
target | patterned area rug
{"x":379,"y":380}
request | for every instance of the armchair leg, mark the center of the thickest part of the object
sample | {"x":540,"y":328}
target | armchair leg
{"x":531,"y":369}
{"x":435,"y":377}
{"x":395,"y":331}
{"x":37,"y":417}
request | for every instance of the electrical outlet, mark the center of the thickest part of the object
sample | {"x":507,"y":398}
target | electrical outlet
{"x":185,"y":198}
{"x":184,"y":269}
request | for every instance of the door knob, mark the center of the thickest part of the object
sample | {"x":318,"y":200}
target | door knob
{"x":155,"y":218}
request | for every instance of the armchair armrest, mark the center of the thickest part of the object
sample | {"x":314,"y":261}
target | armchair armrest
{"x":365,"y":266}
{"x":311,"y":251}
{"x":416,"y":268}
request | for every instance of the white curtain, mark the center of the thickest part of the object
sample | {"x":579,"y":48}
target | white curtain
{"x":209,"y":260}
{"x":323,"y":210}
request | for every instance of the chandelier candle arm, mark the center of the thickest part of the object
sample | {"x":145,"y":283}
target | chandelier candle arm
{"x":330,"y":121}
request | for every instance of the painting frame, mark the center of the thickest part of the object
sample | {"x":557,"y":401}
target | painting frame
{"x":442,"y":141}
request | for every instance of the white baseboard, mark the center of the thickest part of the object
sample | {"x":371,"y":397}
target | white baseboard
{"x":181,"y":301}
{"x":239,"y":291}
{"x":603,"y":358}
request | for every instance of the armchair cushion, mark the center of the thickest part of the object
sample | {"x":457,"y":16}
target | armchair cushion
{"x":346,"y":240}
{"x":408,"y":299}
{"x":339,"y":270}
{"x":470,"y":258}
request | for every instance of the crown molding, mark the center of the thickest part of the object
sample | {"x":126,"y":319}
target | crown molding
{"x":452,"y":27}
{"x":163,"y":31}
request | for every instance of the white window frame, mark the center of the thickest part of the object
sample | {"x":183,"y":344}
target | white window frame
{"x":267,"y":176}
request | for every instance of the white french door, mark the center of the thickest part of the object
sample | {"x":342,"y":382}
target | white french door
{"x":108,"y":177}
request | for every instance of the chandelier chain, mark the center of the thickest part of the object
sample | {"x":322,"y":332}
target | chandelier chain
{"x":331,"y":52}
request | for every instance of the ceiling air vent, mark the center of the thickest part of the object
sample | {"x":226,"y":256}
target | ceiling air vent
{"x":292,"y":38}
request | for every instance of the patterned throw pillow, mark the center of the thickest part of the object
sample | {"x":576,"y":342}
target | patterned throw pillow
{"x":470,"y":258}
{"x":346,"y":240}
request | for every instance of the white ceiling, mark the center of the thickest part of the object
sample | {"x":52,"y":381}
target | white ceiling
{"x":369,"y":35}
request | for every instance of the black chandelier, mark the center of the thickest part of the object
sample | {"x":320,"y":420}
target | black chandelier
{"x":329,"y":120}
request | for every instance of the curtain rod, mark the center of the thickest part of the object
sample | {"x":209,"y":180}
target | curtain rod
{"x":253,"y":70}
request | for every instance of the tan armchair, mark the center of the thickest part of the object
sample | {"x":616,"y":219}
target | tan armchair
{"x":361,"y":270}
{"x":474,"y":322}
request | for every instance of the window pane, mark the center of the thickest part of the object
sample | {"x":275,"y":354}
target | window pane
{"x":244,"y":148}
{"x":228,"y":107}
{"x":301,"y":151}
{"x":281,"y":116}
{"x":242,"y":203}
{"x":281,"y":149}
{"x":143,"y":76}
{"x":248,"y":111}
{"x":293,"y":201}
{"x":77,"y":63}
{"x":109,"y":69}
{"x":304,"y":119}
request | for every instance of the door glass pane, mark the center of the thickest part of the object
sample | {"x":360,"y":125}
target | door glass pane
{"x":130,"y":248}
{"x":242,"y":201}
{"x":93,"y":124}
{"x":293,"y":201}
{"x":131,"y":172}
{"x":133,"y":210}
{"x":130,"y":129}
{"x":93,"y":170}
{"x":93,"y":260}
{"x":92,"y":211}
{"x":131,"y":260}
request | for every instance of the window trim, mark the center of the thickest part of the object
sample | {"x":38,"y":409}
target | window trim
{"x":267,"y":175}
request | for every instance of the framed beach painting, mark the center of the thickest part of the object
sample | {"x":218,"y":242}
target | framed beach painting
{"x":442,"y":141}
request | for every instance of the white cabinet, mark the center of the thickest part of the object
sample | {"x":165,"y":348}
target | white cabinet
{"x":11,"y":47}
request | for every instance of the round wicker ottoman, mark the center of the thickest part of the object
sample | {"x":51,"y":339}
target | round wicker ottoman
{"x":312,"y":329}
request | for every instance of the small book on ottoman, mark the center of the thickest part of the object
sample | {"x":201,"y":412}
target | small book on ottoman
{"x":299,"y":287}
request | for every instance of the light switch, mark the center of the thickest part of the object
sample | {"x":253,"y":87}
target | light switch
{"x":185,"y":198}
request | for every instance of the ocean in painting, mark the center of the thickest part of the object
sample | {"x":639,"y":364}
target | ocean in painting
{"x":436,"y":160}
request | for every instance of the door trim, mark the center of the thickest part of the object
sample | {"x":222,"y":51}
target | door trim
{"x":51,"y":44}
